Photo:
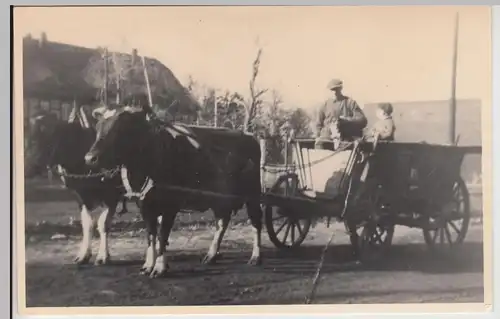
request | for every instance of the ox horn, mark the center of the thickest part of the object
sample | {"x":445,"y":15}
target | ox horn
{"x":77,"y":112}
{"x":83,"y":118}
{"x":72,"y":115}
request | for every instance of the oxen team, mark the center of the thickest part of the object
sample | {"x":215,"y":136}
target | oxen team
{"x":127,"y":151}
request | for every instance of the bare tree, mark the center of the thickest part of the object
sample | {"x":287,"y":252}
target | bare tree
{"x":255,"y":100}
{"x":274,"y":113}
{"x":300,"y":122}
{"x":119,"y":72}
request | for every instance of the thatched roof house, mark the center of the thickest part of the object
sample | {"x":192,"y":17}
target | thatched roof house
{"x":58,"y":71}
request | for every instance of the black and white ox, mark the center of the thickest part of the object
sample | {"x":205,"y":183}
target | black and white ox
{"x":220,"y":165}
{"x":61,"y":144}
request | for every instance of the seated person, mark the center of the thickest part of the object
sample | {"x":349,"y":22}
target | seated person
{"x":384,"y":128}
{"x":339,"y":117}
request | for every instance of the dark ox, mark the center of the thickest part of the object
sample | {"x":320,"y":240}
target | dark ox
{"x":61,"y":144}
{"x":214,"y":161}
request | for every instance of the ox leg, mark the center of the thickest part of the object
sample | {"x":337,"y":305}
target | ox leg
{"x":151,"y":225}
{"x":103,"y":225}
{"x":255,"y":215}
{"x":85,"y":252}
{"x":221,"y":223}
{"x":161,"y":265}
{"x":149,"y":216}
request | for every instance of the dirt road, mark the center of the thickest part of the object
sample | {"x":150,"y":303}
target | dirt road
{"x":409,"y":274}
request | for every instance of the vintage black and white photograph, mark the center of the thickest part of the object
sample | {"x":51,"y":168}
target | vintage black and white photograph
{"x":246,"y":155}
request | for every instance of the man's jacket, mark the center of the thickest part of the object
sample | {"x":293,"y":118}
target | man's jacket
{"x":330,"y":112}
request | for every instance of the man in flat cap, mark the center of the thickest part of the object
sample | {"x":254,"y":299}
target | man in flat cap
{"x":339,"y":116}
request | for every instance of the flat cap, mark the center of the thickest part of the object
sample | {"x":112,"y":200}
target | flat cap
{"x":334,"y":83}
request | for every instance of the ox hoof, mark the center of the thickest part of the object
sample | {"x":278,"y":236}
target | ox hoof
{"x":158,"y":273}
{"x":160,"y":268}
{"x":102,"y":260}
{"x":145,"y":271}
{"x":255,"y":261}
{"x":211,"y":259}
{"x":82,"y":260}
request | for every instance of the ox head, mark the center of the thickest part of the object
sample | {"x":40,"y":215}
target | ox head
{"x":56,"y":142}
{"x":121,"y":133}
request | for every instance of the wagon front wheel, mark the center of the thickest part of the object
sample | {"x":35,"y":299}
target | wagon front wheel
{"x":284,"y":228}
{"x":374,"y":241}
{"x":451,"y":226}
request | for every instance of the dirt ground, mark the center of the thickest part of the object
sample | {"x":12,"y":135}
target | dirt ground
{"x":410,"y":273}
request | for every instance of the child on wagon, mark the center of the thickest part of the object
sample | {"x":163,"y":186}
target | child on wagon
{"x":385,"y":127}
{"x":384,"y":130}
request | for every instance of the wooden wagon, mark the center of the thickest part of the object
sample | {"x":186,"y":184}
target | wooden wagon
{"x":381,"y":185}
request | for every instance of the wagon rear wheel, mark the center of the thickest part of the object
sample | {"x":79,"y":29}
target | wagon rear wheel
{"x":284,"y":228}
{"x":453,"y":223}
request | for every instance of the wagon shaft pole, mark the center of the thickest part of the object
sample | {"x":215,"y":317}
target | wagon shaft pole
{"x":453,"y":100}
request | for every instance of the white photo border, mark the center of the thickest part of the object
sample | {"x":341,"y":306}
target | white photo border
{"x":6,"y":140}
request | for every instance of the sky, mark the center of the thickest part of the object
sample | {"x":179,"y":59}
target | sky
{"x":381,"y":53}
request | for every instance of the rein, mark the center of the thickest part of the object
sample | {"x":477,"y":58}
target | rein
{"x":107,"y":174}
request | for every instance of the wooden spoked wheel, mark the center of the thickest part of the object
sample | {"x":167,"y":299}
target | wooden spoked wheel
{"x":284,"y":228}
{"x":374,"y":241}
{"x":453,"y":222}
{"x":375,"y":237}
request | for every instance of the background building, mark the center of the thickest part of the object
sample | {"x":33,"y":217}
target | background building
{"x":56,"y":75}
